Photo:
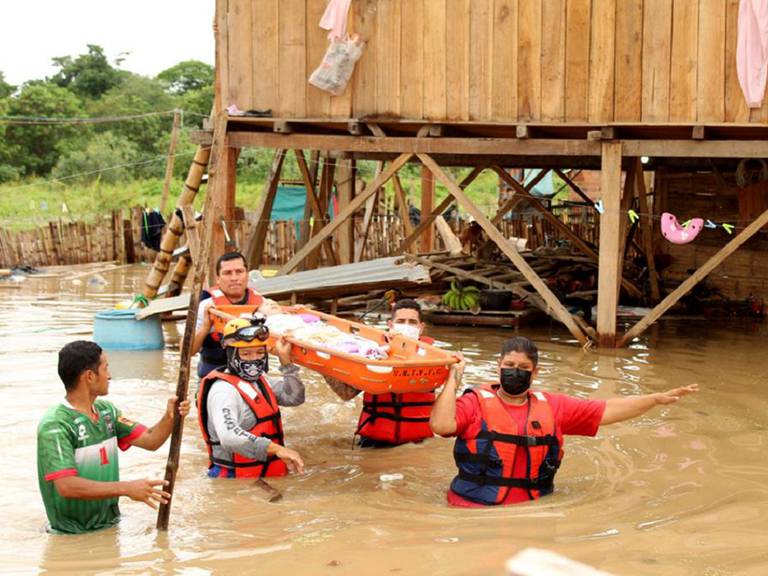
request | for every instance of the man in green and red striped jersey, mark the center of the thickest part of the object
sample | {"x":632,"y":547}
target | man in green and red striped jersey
{"x":77,"y":447}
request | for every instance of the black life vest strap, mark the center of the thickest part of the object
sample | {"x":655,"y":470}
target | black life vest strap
{"x":233,"y":464}
{"x":371,"y":406}
{"x":519,"y":440}
{"x":543,"y":484}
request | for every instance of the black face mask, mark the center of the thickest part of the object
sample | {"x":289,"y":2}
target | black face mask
{"x":248,"y":370}
{"x":515,"y":381}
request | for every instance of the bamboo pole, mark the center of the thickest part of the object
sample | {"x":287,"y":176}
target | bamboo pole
{"x":175,"y":226}
{"x":201,"y":267}
{"x":507,"y":248}
{"x":171,"y":159}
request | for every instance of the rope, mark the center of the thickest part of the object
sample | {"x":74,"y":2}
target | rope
{"x":49,"y":120}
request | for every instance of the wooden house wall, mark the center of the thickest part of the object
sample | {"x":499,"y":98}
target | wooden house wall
{"x":745,"y":271}
{"x":543,"y":61}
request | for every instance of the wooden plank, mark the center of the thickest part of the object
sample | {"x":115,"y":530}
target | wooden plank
{"x":312,"y":207}
{"x":412,"y":66}
{"x":577,"y":40}
{"x":736,"y":109}
{"x":657,"y":49}
{"x":388,"y":58}
{"x":553,"y":60}
{"x":504,"y":63}
{"x":345,"y":213}
{"x":450,"y":240}
{"x":695,"y":278}
{"x":318,"y":101}
{"x":427,"y":204}
{"x":457,"y":59}
{"x":402,"y":205}
{"x":711,"y":78}
{"x":435,"y":49}
{"x":628,"y":67}
{"x":341,"y":105}
{"x":221,"y":35}
{"x":254,"y":251}
{"x":607,"y":299}
{"x":480,"y":59}
{"x":601,"y":61}
{"x":266,"y":78}
{"x":364,"y":79}
{"x":240,"y":54}
{"x":292,"y":59}
{"x":529,"y":32}
{"x":684,"y":67}
{"x":507,"y":248}
{"x":361,"y":242}
{"x":447,"y":201}
{"x":345,"y":185}
{"x":646,"y":222}
{"x":468,"y":146}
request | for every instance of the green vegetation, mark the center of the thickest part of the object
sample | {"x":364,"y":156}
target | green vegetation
{"x":81,"y":169}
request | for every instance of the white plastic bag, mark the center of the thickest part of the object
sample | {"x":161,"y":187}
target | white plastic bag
{"x":337,"y":66}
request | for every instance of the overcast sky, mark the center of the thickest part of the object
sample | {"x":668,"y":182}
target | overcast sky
{"x":156,"y":33}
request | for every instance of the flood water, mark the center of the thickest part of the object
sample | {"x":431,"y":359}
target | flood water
{"x":680,"y":491}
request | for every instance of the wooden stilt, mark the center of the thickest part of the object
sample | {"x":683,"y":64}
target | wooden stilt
{"x":695,"y":278}
{"x":402,"y":205}
{"x":430,"y":218}
{"x":171,"y":160}
{"x":254,"y":252}
{"x":313,"y":205}
{"x":507,"y":248}
{"x":607,"y":296}
{"x":345,"y":184}
{"x":223,"y":203}
{"x":646,"y":222}
{"x":345,"y":213}
{"x":370,"y":210}
{"x":427,"y":204}
{"x":201,"y":267}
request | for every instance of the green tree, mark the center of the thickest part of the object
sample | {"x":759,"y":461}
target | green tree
{"x":37,"y":147}
{"x":137,"y":95}
{"x":105,"y":150}
{"x":5,"y":88}
{"x":187,"y":76}
{"x":7,"y":170}
{"x":88,"y":75}
{"x":198,"y":101}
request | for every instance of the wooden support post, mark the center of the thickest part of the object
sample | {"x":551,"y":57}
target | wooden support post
{"x":345,"y":185}
{"x":607,"y":295}
{"x":370,"y":210}
{"x":447,"y":201}
{"x":427,"y":204}
{"x":575,"y":187}
{"x":450,"y":240}
{"x":171,"y":160}
{"x":628,"y":194}
{"x":321,"y":219}
{"x":224,"y":203}
{"x":507,"y":248}
{"x":646,"y":222}
{"x":312,"y":207}
{"x":402,"y":205}
{"x":201,"y":266}
{"x":345,"y":213}
{"x":695,"y":278}
{"x":254,"y":253}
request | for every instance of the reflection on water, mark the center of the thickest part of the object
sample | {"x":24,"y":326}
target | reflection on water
{"x":682,"y":490}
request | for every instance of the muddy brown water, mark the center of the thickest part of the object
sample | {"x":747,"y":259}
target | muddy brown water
{"x":680,"y":491}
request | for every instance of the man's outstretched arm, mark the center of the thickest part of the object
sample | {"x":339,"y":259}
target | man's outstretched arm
{"x":620,"y":409}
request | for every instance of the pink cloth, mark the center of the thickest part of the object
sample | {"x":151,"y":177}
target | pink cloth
{"x":752,"y":50}
{"x":335,"y":18}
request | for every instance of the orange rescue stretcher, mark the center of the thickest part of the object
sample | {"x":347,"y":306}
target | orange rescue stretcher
{"x":411,"y":365}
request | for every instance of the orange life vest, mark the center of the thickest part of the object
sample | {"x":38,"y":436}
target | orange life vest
{"x":263,"y":402}
{"x":486,"y":462}
{"x":211,"y":352}
{"x":397,"y":418}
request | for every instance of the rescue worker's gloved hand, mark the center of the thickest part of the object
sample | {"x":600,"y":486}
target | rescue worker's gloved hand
{"x":290,"y":457}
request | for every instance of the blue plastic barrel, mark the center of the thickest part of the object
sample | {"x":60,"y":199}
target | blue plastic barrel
{"x":119,"y":330}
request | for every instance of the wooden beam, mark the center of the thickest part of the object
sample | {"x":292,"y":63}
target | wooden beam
{"x":254,"y":252}
{"x":324,"y":201}
{"x":346,"y":212}
{"x":607,"y":296}
{"x":575,"y":187}
{"x":427,"y":204}
{"x":345,"y":185}
{"x":559,"y":224}
{"x":646,"y":222}
{"x":507,"y":248}
{"x":450,"y":240}
{"x":628,"y":195}
{"x":695,"y":278}
{"x":442,"y":207}
{"x":370,"y":210}
{"x":396,"y":145}
{"x":516,"y":289}
{"x":402,"y":205}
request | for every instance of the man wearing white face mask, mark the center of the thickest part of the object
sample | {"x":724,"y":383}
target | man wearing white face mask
{"x":394,"y":419}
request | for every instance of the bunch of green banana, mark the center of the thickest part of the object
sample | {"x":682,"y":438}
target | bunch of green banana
{"x":461,"y":298}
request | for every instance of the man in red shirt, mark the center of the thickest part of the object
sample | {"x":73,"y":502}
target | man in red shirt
{"x":509,"y":440}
